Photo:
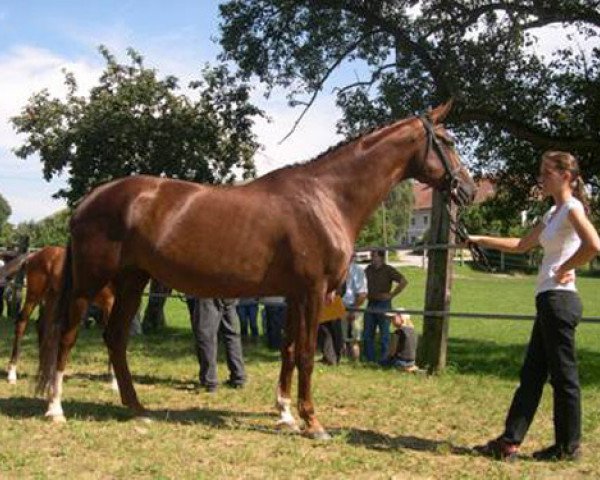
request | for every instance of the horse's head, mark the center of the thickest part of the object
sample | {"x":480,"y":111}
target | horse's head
{"x":438,"y":164}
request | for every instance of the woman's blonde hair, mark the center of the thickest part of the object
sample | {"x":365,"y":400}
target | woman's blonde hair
{"x":566,"y":162}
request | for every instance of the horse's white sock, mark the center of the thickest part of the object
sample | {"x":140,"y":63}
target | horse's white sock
{"x":54,"y":404}
{"x":12,"y":373}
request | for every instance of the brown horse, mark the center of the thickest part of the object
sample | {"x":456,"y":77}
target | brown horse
{"x":43,"y":273}
{"x":290,"y":232}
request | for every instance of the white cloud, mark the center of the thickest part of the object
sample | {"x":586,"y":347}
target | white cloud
{"x":314,"y":134}
{"x":25,"y":70}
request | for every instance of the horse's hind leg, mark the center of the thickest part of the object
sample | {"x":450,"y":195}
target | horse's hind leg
{"x":283,"y":402}
{"x":306,"y":342}
{"x":128,"y":291}
{"x":20,"y":327}
{"x":77,"y":308}
{"x":106,"y":306}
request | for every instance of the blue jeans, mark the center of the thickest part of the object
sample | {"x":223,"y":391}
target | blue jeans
{"x":372,"y":322}
{"x":247,"y":313}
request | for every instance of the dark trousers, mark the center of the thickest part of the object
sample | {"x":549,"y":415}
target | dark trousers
{"x":275,"y":323}
{"x":330,"y":338}
{"x":247,"y":313}
{"x":212,"y":318}
{"x":191,"y":305}
{"x":551,"y":353}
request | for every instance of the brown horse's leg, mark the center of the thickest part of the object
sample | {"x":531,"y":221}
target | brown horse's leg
{"x":127,"y":300}
{"x":77,"y":308}
{"x":20,"y":326}
{"x":283,"y":402}
{"x":306,"y":342}
{"x":106,"y":306}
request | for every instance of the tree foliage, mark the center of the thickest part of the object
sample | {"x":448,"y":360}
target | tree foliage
{"x":5,"y":210}
{"x":396,"y":211}
{"x":512,"y":103}
{"x":52,"y":230}
{"x":134,"y":122}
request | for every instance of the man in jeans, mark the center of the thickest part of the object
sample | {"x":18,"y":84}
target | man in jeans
{"x":214,"y":316}
{"x":380,"y":277}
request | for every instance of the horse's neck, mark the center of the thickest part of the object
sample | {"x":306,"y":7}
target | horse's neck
{"x":361,"y":174}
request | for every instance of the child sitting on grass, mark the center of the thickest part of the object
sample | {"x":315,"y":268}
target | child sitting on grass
{"x":403,"y":344}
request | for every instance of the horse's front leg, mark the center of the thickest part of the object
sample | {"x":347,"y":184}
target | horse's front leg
{"x":306,"y":342}
{"x":283,"y":395}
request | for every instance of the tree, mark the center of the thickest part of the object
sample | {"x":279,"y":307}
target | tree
{"x":5,"y":210}
{"x":52,"y":230}
{"x":132,"y":122}
{"x":396,"y":209}
{"x":511,"y":102}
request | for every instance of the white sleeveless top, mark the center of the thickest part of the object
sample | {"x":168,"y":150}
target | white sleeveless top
{"x":559,"y":241}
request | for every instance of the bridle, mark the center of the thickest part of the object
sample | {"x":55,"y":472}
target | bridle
{"x":452,"y":181}
{"x":457,"y":193}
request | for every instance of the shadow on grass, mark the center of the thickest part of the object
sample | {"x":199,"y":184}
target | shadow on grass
{"x":475,"y":357}
{"x":383,"y":442}
{"x":31,"y":407}
{"x":26,"y":408}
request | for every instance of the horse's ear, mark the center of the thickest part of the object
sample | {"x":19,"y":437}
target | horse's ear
{"x":439,"y":113}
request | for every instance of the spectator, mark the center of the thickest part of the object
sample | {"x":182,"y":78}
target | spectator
{"x":330,"y":338}
{"x":274,"y":312}
{"x":354,"y":294}
{"x":403,"y":344}
{"x":247,"y":310}
{"x":380,"y":277}
{"x":214,"y":316}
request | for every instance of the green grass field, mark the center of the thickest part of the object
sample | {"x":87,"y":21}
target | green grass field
{"x":384,"y":424}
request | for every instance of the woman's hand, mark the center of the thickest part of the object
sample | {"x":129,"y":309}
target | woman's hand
{"x":562,"y":277}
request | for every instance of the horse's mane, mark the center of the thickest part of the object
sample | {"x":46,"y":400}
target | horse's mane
{"x":342,"y":143}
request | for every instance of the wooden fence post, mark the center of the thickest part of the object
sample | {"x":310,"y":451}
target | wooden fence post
{"x":432,"y":351}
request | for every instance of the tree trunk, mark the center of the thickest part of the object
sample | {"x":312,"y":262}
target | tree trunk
{"x":154,"y":315}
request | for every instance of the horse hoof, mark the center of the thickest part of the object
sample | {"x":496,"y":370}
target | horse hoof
{"x":12,"y":381}
{"x":144,"y":418}
{"x":57,"y":418}
{"x":289,"y":427}
{"x":318,"y":435}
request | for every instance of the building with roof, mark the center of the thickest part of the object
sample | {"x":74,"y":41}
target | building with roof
{"x":420,"y":220}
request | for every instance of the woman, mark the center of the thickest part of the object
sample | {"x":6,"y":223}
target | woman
{"x":569,"y":240}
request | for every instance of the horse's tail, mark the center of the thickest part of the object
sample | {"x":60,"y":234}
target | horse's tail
{"x":56,"y":323}
{"x":14,"y":266}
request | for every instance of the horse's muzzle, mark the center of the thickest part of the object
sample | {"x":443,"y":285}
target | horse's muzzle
{"x":462,"y":193}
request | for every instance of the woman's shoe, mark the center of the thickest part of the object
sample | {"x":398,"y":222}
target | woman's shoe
{"x":498,"y":449}
{"x":556,"y":453}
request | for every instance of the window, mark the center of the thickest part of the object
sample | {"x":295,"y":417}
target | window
{"x":425,"y":220}
{"x":412,"y":221}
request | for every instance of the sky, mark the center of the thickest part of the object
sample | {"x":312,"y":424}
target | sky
{"x":40,"y":38}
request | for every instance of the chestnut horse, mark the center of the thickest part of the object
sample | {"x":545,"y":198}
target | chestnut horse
{"x":43,"y":272}
{"x":290,"y":232}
